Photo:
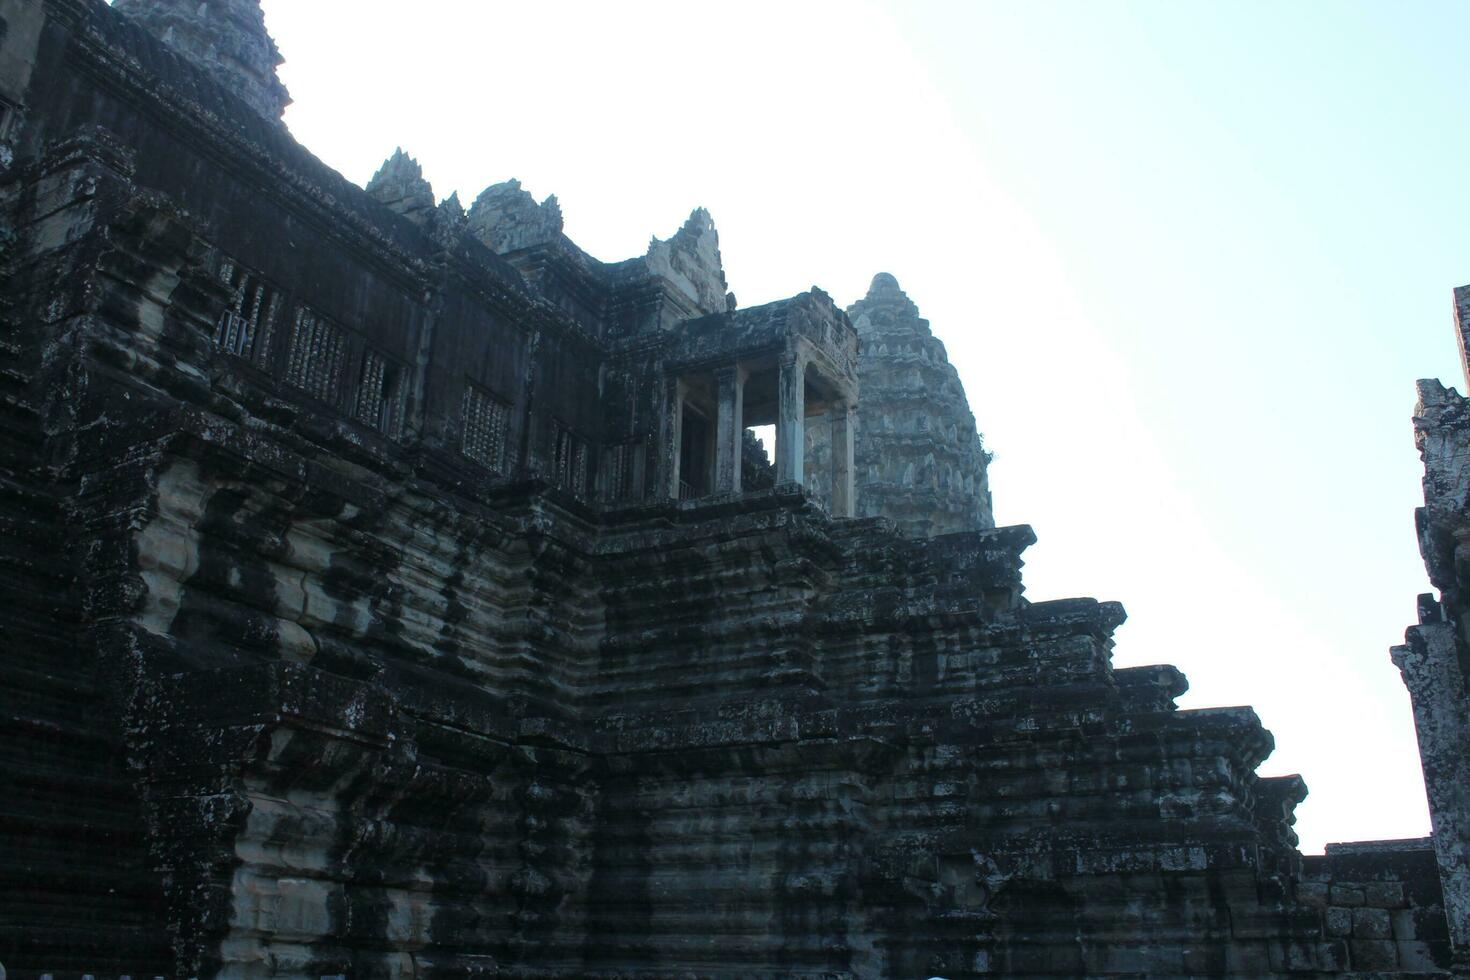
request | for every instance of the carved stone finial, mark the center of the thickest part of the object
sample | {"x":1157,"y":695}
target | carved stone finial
{"x":227,"y":38}
{"x":507,"y":218}
{"x":400,"y":186}
{"x":451,"y":208}
{"x":448,"y":221}
{"x":884,"y":284}
{"x":886,"y":292}
{"x":690,"y":262}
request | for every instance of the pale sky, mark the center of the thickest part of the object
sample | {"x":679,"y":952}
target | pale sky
{"x":1188,"y":258}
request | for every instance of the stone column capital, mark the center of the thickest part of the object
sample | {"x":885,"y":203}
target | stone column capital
{"x":736,"y":373}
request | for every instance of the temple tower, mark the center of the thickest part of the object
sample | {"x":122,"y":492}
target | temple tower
{"x":918,"y":459}
{"x":227,"y":38}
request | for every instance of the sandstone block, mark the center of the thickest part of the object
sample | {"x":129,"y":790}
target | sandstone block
{"x":1313,"y":893}
{"x":1371,"y":924}
{"x":1384,"y":894}
{"x":1373,"y":954}
{"x":1416,"y":956}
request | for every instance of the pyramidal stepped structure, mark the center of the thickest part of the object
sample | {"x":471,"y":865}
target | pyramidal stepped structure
{"x":392,"y":591}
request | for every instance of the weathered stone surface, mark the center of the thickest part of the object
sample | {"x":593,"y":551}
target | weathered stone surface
{"x":1435,"y":658}
{"x":1383,"y":892}
{"x":358,"y":624}
{"x":507,"y":218}
{"x":399,"y":185}
{"x":677,"y":279}
{"x":227,"y":38}
{"x":690,"y":260}
{"x":1374,"y":954}
{"x":1371,"y":924}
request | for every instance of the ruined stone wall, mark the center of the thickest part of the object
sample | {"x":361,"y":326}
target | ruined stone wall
{"x":1384,"y":898}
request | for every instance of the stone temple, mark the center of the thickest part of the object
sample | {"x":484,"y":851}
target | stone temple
{"x":392,"y":589}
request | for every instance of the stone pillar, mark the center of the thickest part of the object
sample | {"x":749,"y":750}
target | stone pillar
{"x":844,"y":502}
{"x":1430,"y":663}
{"x":1435,"y":660}
{"x":729,"y":428}
{"x":790,"y":420}
{"x":675,"y":429}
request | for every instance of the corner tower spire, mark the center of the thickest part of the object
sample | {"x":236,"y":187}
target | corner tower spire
{"x":919,"y":460}
{"x":227,"y":38}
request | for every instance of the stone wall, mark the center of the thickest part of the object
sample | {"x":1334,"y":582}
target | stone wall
{"x":1384,"y":898}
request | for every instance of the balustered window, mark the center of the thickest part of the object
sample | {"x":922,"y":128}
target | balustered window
{"x":569,"y":460}
{"x":624,"y":472}
{"x":486,"y":419}
{"x":246,"y":327}
{"x":315,"y":356}
{"x":381,"y":394}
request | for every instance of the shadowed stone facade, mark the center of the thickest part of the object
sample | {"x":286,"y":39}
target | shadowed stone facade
{"x":394,"y":591}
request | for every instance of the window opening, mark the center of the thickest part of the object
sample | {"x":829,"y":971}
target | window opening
{"x":694,"y":455}
{"x":485,"y":422}
{"x":246,"y":326}
{"x":569,"y":460}
{"x":625,"y":472}
{"x":315,"y":356}
{"x":380,"y":394}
